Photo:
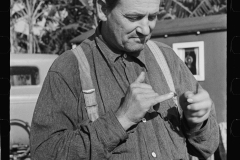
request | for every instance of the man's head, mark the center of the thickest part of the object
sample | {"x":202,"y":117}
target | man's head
{"x":127,"y":24}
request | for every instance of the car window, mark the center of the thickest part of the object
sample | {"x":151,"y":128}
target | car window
{"x":24,"y":75}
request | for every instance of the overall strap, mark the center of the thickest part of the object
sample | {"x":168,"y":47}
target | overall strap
{"x":165,"y":69}
{"x":87,"y":84}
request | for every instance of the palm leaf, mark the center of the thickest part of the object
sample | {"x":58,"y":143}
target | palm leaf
{"x":175,"y":8}
{"x":204,"y":8}
{"x":180,"y":10}
{"x":192,"y":8}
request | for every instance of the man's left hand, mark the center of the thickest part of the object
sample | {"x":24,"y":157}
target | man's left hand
{"x":196,"y":106}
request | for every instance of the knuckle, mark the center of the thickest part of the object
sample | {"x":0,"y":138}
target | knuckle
{"x":209,"y":104}
{"x":187,"y":93}
{"x":138,"y":97}
{"x":149,"y":86}
{"x":155,"y":94}
{"x":133,"y":85}
{"x":134,"y":92}
{"x":207,"y":94}
{"x":199,"y":114}
{"x":193,"y":107}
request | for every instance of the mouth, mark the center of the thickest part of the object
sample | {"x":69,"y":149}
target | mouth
{"x":140,"y":39}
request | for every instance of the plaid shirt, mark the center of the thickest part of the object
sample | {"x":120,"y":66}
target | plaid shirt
{"x":60,"y":127}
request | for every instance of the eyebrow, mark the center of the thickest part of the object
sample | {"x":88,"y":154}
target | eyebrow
{"x":140,"y":14}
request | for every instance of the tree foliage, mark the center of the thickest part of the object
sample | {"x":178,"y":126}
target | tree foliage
{"x":80,"y":18}
{"x":63,"y":20}
{"x":172,"y":9}
{"x":66,"y":19}
{"x":26,"y":14}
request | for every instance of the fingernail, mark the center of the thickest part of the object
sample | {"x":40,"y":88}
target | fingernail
{"x":188,"y":107}
{"x":171,"y":93}
{"x":190,"y":100}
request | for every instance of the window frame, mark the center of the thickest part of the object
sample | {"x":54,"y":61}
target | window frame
{"x":200,"y":65}
{"x":27,"y":70}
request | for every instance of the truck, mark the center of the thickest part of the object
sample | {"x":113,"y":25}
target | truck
{"x":27,"y":74}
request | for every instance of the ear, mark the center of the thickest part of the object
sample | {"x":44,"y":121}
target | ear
{"x":101,"y":9}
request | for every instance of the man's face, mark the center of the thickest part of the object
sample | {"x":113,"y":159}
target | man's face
{"x":129,"y":25}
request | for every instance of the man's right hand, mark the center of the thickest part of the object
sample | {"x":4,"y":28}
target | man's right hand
{"x":138,"y":100}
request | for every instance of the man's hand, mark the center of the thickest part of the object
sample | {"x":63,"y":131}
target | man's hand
{"x":138,"y":100}
{"x":196,"y":107}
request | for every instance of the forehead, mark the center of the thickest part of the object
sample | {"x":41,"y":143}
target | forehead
{"x":142,"y":6}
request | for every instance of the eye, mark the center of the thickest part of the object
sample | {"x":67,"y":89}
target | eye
{"x":134,"y":18}
{"x":152,"y":17}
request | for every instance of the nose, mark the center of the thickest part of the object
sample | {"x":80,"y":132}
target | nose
{"x":144,"y":27}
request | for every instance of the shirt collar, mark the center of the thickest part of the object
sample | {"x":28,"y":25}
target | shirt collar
{"x":113,"y":54}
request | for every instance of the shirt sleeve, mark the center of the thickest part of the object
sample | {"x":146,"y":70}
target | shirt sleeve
{"x":57,"y":133}
{"x":202,"y":140}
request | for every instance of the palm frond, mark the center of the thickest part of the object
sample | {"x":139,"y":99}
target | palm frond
{"x":205,"y":7}
{"x":175,"y":8}
{"x":192,"y":8}
{"x":180,"y":10}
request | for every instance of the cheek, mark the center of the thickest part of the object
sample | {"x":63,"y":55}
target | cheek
{"x":123,"y":33}
{"x":128,"y":34}
{"x":126,"y":27}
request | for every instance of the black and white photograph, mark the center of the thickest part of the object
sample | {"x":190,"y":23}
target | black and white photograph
{"x":118,"y":79}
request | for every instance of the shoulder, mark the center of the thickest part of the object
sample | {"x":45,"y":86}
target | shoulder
{"x":161,"y":45}
{"x":88,"y":45}
{"x":168,"y":52}
{"x":67,"y":61}
{"x":64,"y":63}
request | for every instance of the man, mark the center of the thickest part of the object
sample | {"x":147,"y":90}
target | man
{"x":137,"y":115}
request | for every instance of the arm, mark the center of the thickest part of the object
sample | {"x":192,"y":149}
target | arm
{"x":199,"y":120}
{"x":202,"y":138}
{"x":59,"y":132}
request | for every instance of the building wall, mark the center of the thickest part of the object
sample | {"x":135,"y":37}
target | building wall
{"x":215,"y":47}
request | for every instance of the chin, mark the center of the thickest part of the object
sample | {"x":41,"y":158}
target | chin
{"x":134,"y":48}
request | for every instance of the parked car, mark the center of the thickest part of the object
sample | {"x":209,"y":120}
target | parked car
{"x":27,"y":73}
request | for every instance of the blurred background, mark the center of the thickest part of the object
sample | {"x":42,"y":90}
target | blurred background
{"x":41,"y":30}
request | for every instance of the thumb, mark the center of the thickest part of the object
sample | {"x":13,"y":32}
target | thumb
{"x":188,"y":94}
{"x":140,"y":78}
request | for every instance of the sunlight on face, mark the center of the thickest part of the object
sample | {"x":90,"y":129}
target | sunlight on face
{"x":129,"y":25}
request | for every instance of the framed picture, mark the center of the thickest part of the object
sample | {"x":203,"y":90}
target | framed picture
{"x":192,"y":54}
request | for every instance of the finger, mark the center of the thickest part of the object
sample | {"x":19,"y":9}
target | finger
{"x":164,"y":97}
{"x":198,"y":119}
{"x":140,"y":78}
{"x":199,"y":106}
{"x":198,"y":97}
{"x":147,"y":96}
{"x":142,"y":91}
{"x":197,"y":114}
{"x":188,"y":94}
{"x":141,"y":85}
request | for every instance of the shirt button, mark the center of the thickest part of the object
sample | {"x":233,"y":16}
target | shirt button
{"x":144,"y":120}
{"x":154,"y":154}
{"x":125,"y":55}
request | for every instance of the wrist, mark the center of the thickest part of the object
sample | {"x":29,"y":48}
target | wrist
{"x":124,"y":121}
{"x":192,"y":126}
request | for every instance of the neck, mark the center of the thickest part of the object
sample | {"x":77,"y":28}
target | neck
{"x":104,"y":32}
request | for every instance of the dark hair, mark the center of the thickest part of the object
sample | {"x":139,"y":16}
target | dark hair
{"x":111,"y":4}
